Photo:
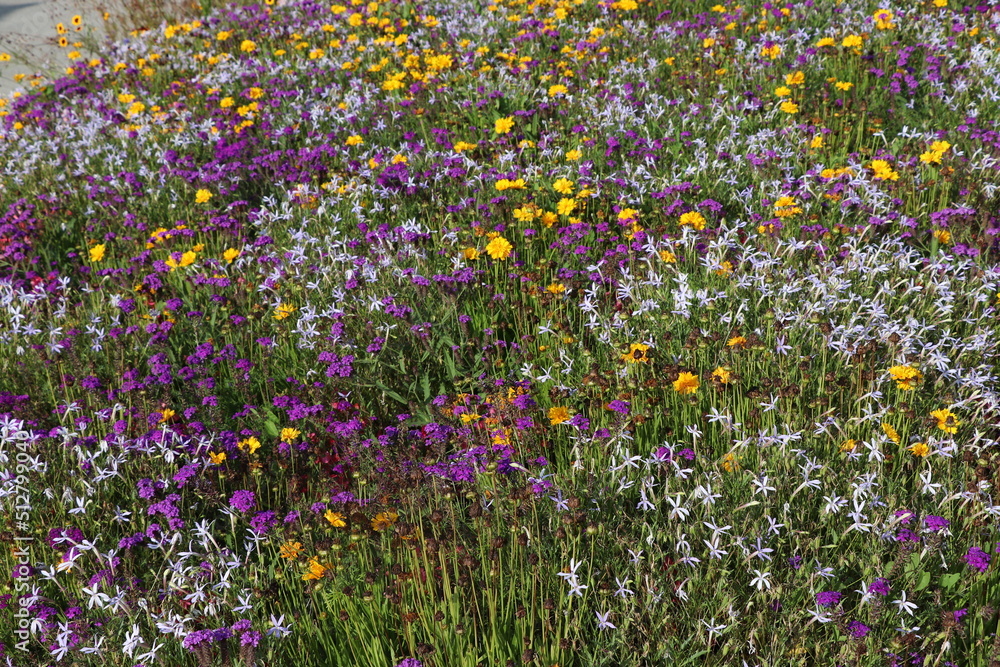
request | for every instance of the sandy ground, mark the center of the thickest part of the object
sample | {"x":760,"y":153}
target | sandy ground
{"x":28,"y":34}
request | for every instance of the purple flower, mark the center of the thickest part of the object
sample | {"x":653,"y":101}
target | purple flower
{"x":185,"y":473}
{"x":241,"y":625}
{"x":522,"y":423}
{"x":977,"y":559}
{"x":410,"y":662}
{"x":524,"y":402}
{"x":858,"y":629}
{"x":907,"y":516}
{"x":936,"y":523}
{"x":264,"y":521}
{"x":828,"y":598}
{"x":251,"y":638}
{"x":880,"y":586}
{"x":619,"y":406}
{"x":243,"y":501}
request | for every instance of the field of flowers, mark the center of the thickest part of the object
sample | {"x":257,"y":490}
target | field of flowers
{"x":459,"y":334}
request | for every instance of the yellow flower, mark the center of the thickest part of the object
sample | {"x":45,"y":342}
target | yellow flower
{"x":565,"y":206}
{"x":627,"y":214}
{"x":795,"y":79}
{"x":336,"y":519}
{"x":782,"y":91}
{"x":499,"y":248}
{"x":217,"y":459}
{"x":563,"y":186}
{"x":573,"y":155}
{"x":636,"y":353}
{"x":722,"y":374}
{"x":906,"y":377}
{"x":940,"y":147}
{"x":686,"y":383}
{"x":920,"y":449}
{"x":354,"y":140}
{"x":251,"y":443}
{"x":930,"y":157}
{"x":97,"y":253}
{"x":166,"y":414}
{"x":883,"y":171}
{"x":854,"y":41}
{"x":558,"y":415}
{"x":288,"y":434}
{"x":693,"y":218}
{"x":556,"y":288}
{"x":826,"y":41}
{"x":223,"y":35}
{"x":729,"y":463}
{"x":772,"y":51}
{"x":202,"y":196}
{"x":848,"y":446}
{"x":736,"y":341}
{"x":943,"y":236}
{"x":668,"y":257}
{"x":248,"y":46}
{"x":789,"y":107}
{"x":383,"y":520}
{"x":525,"y":213}
{"x":507,"y":184}
{"x":946,"y":420}
{"x":786,"y":207}
{"x":503,"y":125}
{"x":230,"y":255}
{"x":883,"y":19}
{"x":843,"y":85}
{"x":463,"y":146}
{"x":891,"y":432}
{"x":291,"y":550}
{"x":315,"y":571}
{"x":558,"y":89}
{"x":283,"y":311}
{"x":471,"y":254}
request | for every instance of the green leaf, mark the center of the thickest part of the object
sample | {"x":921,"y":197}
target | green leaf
{"x":924,"y":581}
{"x":425,"y":386}
{"x":391,"y":394}
{"x":949,"y":580}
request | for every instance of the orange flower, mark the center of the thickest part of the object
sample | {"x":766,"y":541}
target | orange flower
{"x":558,"y":415}
{"x":686,"y":383}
